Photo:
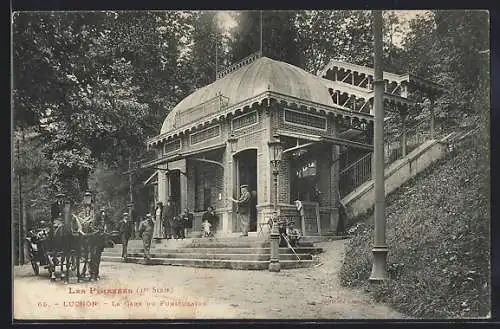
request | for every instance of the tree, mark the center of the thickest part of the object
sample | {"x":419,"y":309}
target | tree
{"x":279,"y":36}
{"x":444,"y":47}
{"x":93,"y":85}
{"x":393,"y":54}
{"x":344,"y":35}
{"x":207,"y":35}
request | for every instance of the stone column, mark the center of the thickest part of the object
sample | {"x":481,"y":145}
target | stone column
{"x":227,"y":217}
{"x":162,"y":186}
{"x":184,"y":194}
{"x":191,"y":185}
{"x":265,"y":178}
{"x":261,"y":185}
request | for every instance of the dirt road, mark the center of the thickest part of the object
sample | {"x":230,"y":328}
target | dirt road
{"x":136,"y":291}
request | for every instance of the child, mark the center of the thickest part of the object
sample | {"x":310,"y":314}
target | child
{"x":206,"y":229}
{"x":294,"y":236}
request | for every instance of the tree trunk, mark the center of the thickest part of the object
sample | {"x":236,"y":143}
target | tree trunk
{"x":83,"y":181}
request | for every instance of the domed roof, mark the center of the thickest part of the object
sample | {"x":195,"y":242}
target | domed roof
{"x":263,"y":74}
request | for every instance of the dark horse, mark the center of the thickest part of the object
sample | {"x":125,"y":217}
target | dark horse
{"x":63,"y":246}
{"x":73,"y":243}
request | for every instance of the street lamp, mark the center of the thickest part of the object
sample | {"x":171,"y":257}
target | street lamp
{"x":276,"y":150}
{"x":87,"y":202}
{"x":60,"y":197}
{"x":87,"y":198}
{"x":380,"y":248}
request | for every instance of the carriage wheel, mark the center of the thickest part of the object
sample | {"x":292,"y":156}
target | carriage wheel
{"x":36,"y":267}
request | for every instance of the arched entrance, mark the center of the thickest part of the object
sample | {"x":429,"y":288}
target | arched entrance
{"x":246,"y":173}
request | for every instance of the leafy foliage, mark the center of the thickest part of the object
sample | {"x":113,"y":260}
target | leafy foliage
{"x":331,"y":34}
{"x":445,"y":47}
{"x":438,"y":233}
{"x":93,"y":85}
{"x":279,"y":36}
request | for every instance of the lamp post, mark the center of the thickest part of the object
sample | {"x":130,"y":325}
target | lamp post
{"x":232,"y":142}
{"x":380,"y":249}
{"x":60,"y":198}
{"x":87,"y":202}
{"x":276,"y":152}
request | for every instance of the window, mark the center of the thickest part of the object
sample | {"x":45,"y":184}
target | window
{"x":304,"y":119}
{"x":306,"y":170}
{"x":203,"y":190}
{"x":172,"y":146}
{"x":244,"y":120}
{"x":304,"y":180}
{"x":205,"y":134}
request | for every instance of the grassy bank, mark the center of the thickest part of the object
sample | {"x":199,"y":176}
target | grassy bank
{"x":438,"y":231}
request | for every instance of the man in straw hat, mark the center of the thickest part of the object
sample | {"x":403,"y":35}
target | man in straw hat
{"x":243,"y":209}
{"x":146,"y":230}
{"x":125,"y":229}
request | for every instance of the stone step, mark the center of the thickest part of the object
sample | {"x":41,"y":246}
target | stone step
{"x":215,"y":263}
{"x":215,"y":250}
{"x":219,"y":256}
{"x":208,"y":244}
{"x":222,"y":242}
{"x":321,"y":238}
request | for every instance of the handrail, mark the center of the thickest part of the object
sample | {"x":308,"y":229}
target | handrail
{"x":359,"y":171}
{"x":354,"y":163}
{"x":355,"y":174}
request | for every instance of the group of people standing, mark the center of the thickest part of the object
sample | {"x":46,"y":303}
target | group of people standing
{"x":165,"y":223}
{"x":168,"y":223}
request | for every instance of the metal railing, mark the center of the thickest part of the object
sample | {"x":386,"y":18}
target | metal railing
{"x":355,"y":174}
{"x":360,"y":171}
{"x":415,"y":136}
{"x":247,"y":60}
{"x":209,"y":107}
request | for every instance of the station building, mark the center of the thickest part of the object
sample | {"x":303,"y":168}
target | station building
{"x":221,"y":137}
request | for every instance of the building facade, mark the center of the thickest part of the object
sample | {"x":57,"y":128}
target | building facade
{"x":218,"y":138}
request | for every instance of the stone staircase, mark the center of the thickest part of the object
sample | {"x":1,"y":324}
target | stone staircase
{"x":241,"y":253}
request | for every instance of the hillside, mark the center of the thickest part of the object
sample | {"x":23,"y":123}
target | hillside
{"x":438,"y":232}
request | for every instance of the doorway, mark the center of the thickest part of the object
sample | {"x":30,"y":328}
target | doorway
{"x":246,"y":173}
{"x":175,"y":190}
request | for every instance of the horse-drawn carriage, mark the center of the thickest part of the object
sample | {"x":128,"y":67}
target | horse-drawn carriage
{"x":73,"y":241}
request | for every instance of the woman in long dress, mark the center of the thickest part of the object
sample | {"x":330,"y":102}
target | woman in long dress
{"x":158,"y":223}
